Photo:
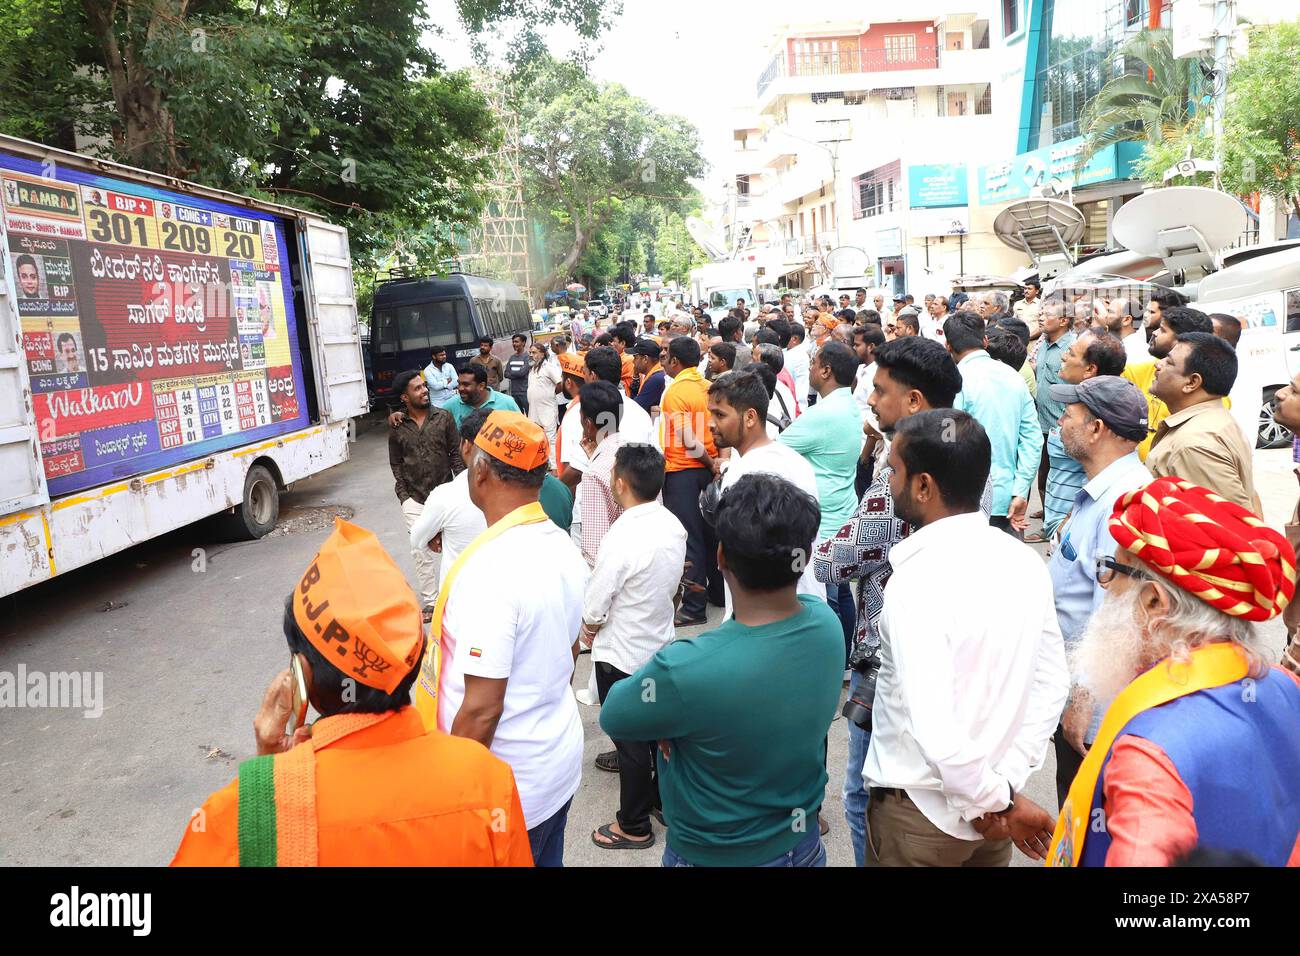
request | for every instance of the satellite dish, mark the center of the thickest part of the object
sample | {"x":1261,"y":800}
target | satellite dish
{"x":847,"y":261}
{"x":1183,"y":225}
{"x":1044,"y":228}
{"x":707,"y":239}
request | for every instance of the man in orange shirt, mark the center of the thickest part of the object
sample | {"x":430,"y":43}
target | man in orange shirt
{"x":688,"y":460}
{"x":366,"y":785}
{"x":623,"y":337}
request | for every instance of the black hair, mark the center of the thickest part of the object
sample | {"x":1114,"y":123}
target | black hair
{"x":766,"y":527}
{"x":402,"y":381}
{"x":924,"y":365}
{"x":797,"y":331}
{"x":911,"y":320}
{"x":472,"y":424}
{"x":438,"y":349}
{"x":859,"y":289}
{"x":1232,"y":323}
{"x":486,"y":338}
{"x":478,"y":371}
{"x":725,"y":351}
{"x":770,"y":355}
{"x":871,"y":334}
{"x":334,"y":691}
{"x":24,"y":260}
{"x":604,"y":363}
{"x":1182,"y":320}
{"x":1105,"y":351}
{"x":767,"y":336}
{"x":783,"y":330}
{"x":743,"y":390}
{"x":642,"y":467}
{"x":1006,"y":347}
{"x":848,"y":315}
{"x":516,"y":476}
{"x":601,"y":404}
{"x":1168,"y":299}
{"x":1213,"y":359}
{"x":1015,"y":326}
{"x":1033,"y":281}
{"x":965,"y":331}
{"x":869,"y":316}
{"x":520,"y":335}
{"x":841,"y":360}
{"x":64,"y":337}
{"x":950,"y":446}
{"x":764,"y":372}
{"x":624,"y":334}
{"x":604,"y":340}
{"x":685,"y":350}
{"x":728,"y":328}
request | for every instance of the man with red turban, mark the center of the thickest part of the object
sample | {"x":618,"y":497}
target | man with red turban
{"x":1200,"y":747}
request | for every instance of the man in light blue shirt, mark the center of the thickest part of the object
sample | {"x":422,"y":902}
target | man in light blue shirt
{"x":996,"y":396}
{"x":441,"y":376}
{"x":1057,"y":337}
{"x":1104,"y":419}
{"x":829,"y":435}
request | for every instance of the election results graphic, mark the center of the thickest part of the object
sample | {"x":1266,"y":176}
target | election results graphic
{"x":157,"y":327}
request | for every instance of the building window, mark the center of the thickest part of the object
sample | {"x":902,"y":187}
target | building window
{"x":1010,"y":17}
{"x":900,"y":48}
{"x":984,"y":101}
{"x":875,"y":192}
{"x":979,"y":35}
{"x":742,"y":185}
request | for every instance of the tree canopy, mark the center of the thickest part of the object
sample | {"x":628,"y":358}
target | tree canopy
{"x":342,"y":106}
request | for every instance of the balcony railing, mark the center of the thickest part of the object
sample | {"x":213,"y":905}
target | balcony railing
{"x":834,"y":62}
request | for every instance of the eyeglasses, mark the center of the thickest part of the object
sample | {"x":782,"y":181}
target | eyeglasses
{"x":1107,"y":568}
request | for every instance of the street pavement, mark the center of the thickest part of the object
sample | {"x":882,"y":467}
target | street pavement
{"x":186,"y":630}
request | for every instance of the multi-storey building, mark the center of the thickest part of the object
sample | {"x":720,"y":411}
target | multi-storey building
{"x":905,"y":138}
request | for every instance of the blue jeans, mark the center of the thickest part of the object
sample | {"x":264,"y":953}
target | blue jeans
{"x":547,"y":838}
{"x":810,"y":851}
{"x":855,"y":788}
{"x":840,"y":598}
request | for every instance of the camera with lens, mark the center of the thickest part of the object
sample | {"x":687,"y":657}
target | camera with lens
{"x":858,"y":706}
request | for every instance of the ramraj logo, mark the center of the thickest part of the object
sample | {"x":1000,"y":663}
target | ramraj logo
{"x":134,"y":910}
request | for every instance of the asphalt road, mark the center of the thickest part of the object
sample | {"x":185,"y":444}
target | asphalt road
{"x":186,"y":632}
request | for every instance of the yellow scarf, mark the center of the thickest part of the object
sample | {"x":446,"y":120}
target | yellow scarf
{"x":426,"y":688}
{"x":1212,"y":665}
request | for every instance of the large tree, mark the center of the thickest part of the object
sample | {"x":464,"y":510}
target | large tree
{"x":587,"y":147}
{"x":338,"y":105}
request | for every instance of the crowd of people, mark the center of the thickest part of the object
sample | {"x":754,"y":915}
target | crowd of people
{"x":850,"y":482}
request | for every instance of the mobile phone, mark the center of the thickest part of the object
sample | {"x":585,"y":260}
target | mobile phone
{"x":298,"y":687}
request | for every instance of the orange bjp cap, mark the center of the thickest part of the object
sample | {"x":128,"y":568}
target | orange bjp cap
{"x":514,"y":439}
{"x":355,"y":607}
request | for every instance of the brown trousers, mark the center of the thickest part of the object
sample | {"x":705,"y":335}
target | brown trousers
{"x":899,"y":834}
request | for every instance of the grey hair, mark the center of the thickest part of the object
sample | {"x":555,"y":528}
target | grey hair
{"x":1000,"y":300}
{"x":1191,"y":623}
{"x":771,"y":356}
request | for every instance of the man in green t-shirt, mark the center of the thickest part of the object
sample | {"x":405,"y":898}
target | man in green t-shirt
{"x":741,"y":712}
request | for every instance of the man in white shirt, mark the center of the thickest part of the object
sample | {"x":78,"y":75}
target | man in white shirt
{"x":628,"y":616}
{"x":449,"y":521}
{"x":738,"y":406}
{"x":797,"y":361}
{"x":973,"y":676}
{"x":602,"y":365}
{"x":1121,"y":321}
{"x":506,"y":628}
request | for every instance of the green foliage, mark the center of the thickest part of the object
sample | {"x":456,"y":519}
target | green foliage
{"x":590,"y":150}
{"x":1152,"y":102}
{"x":339,"y":106}
{"x":1262,"y":125}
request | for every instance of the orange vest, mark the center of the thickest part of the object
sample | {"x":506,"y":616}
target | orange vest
{"x":391,"y":794}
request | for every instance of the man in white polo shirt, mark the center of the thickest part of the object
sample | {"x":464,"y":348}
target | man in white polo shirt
{"x":504,"y":633}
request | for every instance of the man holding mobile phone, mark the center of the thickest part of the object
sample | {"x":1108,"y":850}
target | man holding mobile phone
{"x":366,"y":784}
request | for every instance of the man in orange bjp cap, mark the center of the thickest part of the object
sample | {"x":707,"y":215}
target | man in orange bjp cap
{"x":505,"y":633}
{"x":367,"y":784}
{"x":1200,"y":745}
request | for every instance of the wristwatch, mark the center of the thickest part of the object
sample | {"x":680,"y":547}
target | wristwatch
{"x":1011,"y":801}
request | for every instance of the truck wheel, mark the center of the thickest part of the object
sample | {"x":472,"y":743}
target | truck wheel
{"x":257,"y":513}
{"x":1271,"y":434}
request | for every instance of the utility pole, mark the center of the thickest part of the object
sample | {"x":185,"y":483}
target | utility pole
{"x":1225,"y":23}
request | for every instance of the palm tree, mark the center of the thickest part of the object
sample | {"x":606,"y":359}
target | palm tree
{"x":1153,"y":101}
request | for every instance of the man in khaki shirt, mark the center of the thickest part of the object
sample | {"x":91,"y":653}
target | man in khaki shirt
{"x":1200,"y":441}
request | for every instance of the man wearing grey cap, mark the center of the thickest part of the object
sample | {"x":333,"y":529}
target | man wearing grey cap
{"x":1104,"y":420}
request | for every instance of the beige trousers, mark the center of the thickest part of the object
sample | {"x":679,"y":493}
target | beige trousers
{"x":426,"y":561}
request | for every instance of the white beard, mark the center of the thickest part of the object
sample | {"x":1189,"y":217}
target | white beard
{"x":1110,"y":654}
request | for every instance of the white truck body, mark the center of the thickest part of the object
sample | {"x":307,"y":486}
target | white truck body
{"x":720,"y":284}
{"x":42,"y":534}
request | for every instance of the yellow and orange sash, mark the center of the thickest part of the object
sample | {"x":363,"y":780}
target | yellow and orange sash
{"x":1212,"y":665}
{"x":426,"y":688}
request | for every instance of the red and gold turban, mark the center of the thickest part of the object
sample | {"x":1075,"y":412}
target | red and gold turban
{"x":1215,"y":549}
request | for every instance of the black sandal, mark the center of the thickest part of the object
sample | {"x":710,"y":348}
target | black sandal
{"x":619,"y":842}
{"x":607,"y":761}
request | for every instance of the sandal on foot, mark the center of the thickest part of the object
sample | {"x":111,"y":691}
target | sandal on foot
{"x":617,"y":842}
{"x":607,"y":761}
